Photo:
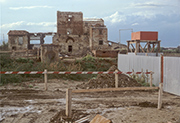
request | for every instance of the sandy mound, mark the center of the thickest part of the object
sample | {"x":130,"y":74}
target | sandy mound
{"x":108,"y":81}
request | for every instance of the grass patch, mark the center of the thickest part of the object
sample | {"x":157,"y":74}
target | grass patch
{"x":142,"y":79}
{"x":88,"y":63}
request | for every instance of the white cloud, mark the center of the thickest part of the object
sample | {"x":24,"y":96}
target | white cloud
{"x":163,"y":7}
{"x":22,"y":23}
{"x":145,"y":14}
{"x":42,"y":24}
{"x":116,"y":17}
{"x":2,"y":1}
{"x":29,"y":7}
{"x":135,"y":24}
{"x":11,"y":25}
{"x":148,"y":5}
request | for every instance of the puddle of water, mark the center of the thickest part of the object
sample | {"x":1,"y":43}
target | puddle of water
{"x":87,"y":99}
{"x":102,"y":111}
{"x":9,"y":111}
{"x":30,"y":101}
{"x":62,"y":100}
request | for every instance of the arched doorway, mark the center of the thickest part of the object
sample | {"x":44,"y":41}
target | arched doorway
{"x":70,"y":43}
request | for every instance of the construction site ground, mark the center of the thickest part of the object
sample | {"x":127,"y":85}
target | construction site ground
{"x":28,"y":102}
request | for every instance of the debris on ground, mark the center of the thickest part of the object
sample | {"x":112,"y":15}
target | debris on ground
{"x":108,"y":81}
{"x":100,"y":119}
{"x":61,"y":117}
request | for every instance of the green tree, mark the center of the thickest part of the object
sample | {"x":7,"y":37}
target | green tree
{"x":4,"y":46}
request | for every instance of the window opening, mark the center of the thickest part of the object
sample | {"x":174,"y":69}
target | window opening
{"x":14,"y":48}
{"x":70,"y":48}
{"x":100,"y":42}
{"x":20,"y":40}
{"x":70,"y":16}
{"x":86,"y":24}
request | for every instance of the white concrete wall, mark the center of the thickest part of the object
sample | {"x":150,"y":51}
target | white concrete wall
{"x":172,"y":75}
{"x":129,"y":62}
{"x":171,"y":69}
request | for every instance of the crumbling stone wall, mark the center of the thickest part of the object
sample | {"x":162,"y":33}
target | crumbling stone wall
{"x":76,"y":36}
{"x":72,"y":44}
{"x":88,"y":22}
{"x":98,"y":38}
{"x":116,"y":46}
{"x":70,"y":23}
{"x":18,"y":40}
{"x":105,"y":53}
{"x":49,"y":53}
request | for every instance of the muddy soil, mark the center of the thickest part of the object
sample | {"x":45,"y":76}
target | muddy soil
{"x":29,"y":103}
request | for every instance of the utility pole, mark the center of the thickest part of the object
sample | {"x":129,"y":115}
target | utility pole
{"x":120,"y":33}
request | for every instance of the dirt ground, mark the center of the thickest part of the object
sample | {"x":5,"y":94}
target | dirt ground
{"x":29,"y":103}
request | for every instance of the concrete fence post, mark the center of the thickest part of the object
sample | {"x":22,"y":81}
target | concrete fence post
{"x":116,"y":79}
{"x":68,"y":102}
{"x":45,"y":79}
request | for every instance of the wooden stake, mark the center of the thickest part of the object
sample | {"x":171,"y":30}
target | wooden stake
{"x":133,"y":71}
{"x":162,"y":68}
{"x":142,"y":76}
{"x":68,"y":102}
{"x":116,"y":79}
{"x":133,"y":74}
{"x":151,"y":79}
{"x":114,"y":89}
{"x":147,"y":76}
{"x":160,"y":96}
{"x":45,"y":79}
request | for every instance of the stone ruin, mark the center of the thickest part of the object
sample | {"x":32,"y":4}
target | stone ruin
{"x":75,"y":36}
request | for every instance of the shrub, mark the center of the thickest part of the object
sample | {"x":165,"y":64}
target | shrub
{"x":13,"y":78}
{"x":89,"y":58}
{"x":88,"y":63}
{"x":4,"y":46}
{"x":5,"y":60}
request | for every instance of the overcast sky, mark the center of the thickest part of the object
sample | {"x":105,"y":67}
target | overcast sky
{"x":140,"y":15}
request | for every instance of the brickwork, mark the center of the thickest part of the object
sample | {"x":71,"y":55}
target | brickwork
{"x":18,"y":40}
{"x":72,"y":44}
{"x":98,"y":38}
{"x":70,"y":23}
{"x":87,"y":23}
{"x":107,"y":53}
{"x":75,"y":36}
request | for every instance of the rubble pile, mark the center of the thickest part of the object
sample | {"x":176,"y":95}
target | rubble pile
{"x":108,"y":81}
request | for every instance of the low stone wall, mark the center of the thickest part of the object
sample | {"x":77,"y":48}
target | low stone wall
{"x":104,"y":53}
{"x":23,"y":53}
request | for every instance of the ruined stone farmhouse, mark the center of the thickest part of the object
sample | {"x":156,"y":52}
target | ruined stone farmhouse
{"x":75,"y":36}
